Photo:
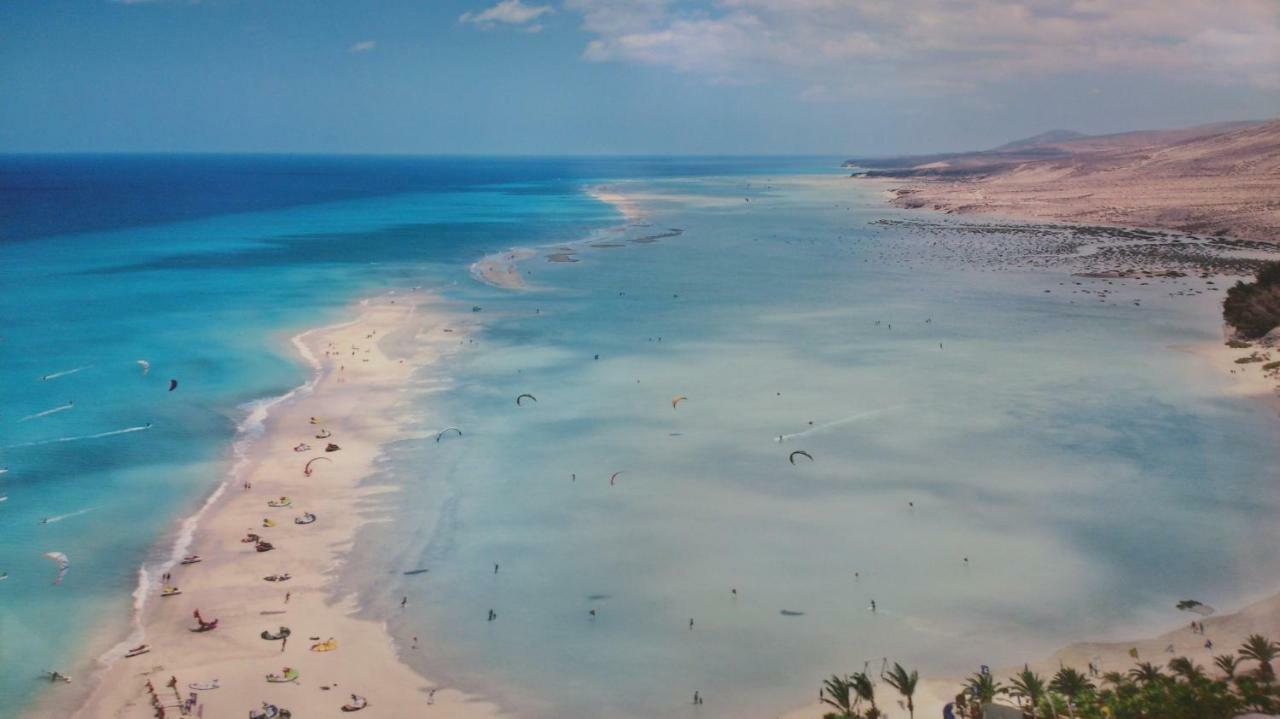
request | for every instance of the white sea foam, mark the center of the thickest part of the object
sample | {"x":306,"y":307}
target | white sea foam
{"x":64,"y":373}
{"x":77,"y":438}
{"x":248,"y":431}
{"x":837,"y":423}
{"x":68,"y":515}
{"x":47,"y":412}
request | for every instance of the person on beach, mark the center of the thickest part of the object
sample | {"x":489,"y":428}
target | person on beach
{"x":431,"y":697}
{"x":403,"y":601}
{"x":495,"y":568}
{"x":284,"y":643}
{"x":691,"y":623}
{"x":415,"y":643}
{"x":286,"y":597}
{"x":873,"y":605}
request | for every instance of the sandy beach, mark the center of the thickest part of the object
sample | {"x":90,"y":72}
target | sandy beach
{"x":361,"y":367}
{"x":352,"y":400}
{"x":1226,"y":632}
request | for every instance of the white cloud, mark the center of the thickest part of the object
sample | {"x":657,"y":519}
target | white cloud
{"x":510,"y":12}
{"x":932,"y":44}
{"x":363,"y":46}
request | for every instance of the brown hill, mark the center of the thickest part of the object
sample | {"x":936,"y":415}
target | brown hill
{"x":1217,"y":179}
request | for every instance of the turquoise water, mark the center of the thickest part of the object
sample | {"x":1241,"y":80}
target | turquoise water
{"x":1091,"y":475}
{"x":204,"y":267}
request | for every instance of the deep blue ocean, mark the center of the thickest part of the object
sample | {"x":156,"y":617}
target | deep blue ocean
{"x":1092,"y":471}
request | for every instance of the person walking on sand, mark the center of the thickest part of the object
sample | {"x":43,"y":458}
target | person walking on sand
{"x":284,"y":643}
{"x":403,"y":601}
{"x":286,"y":597}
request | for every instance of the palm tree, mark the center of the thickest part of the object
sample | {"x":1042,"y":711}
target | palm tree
{"x":1029,"y":687}
{"x":905,"y":683}
{"x":1145,"y":673}
{"x":1070,"y":683}
{"x":1186,"y":668}
{"x":1263,"y":651}
{"x":1228,"y":663}
{"x":866,"y":691}
{"x":1115,"y":679}
{"x":984,"y":688}
{"x":836,"y":694}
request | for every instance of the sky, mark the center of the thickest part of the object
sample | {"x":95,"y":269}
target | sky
{"x":620,"y":76}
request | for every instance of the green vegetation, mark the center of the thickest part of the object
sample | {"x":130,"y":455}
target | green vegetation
{"x":1239,"y":344}
{"x":1251,"y":358}
{"x":1253,"y":308}
{"x":1180,"y":690}
{"x":1270,"y":366}
{"x":905,"y":682}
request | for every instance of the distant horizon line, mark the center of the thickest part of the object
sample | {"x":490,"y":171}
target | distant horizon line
{"x":407,"y":155}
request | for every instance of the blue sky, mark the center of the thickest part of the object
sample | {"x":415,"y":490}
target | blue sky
{"x":620,"y":76}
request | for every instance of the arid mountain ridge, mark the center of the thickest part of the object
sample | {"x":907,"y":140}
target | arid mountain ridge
{"x":1221,"y":179}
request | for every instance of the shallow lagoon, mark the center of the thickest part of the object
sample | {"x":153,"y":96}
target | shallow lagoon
{"x":1091,"y":472}
{"x":1092,"y":475}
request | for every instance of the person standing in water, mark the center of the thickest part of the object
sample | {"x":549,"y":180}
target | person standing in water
{"x":873,"y":605}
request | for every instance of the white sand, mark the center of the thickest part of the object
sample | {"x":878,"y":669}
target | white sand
{"x":354,"y":396}
{"x":502,"y":269}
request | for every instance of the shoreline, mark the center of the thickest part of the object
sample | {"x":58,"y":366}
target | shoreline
{"x":227,"y":584}
{"x":502,"y":269}
{"x":958,"y":198}
{"x":392,"y":682}
{"x":1227,"y":631}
